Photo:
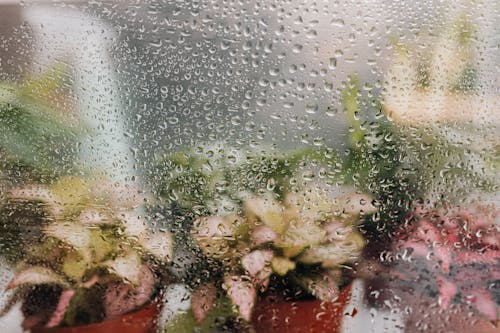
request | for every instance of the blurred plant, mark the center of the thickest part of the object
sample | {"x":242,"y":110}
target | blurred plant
{"x":447,"y":127}
{"x":372,"y":161}
{"x":215,"y":178}
{"x":431,"y":135}
{"x":35,"y":135}
{"x":90,"y":256}
{"x":307,"y":238}
{"x":460,"y":248}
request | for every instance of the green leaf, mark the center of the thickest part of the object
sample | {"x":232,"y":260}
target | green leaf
{"x":301,"y":233}
{"x":74,"y":266}
{"x":350,"y":101}
{"x":185,"y":321}
{"x":282,"y":265}
{"x":33,"y":134}
{"x":266,"y":211}
{"x":334,"y":254}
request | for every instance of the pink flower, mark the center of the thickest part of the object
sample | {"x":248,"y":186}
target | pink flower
{"x":62,"y":306}
{"x":121,"y":298}
{"x":242,"y":294}
{"x":202,"y":301}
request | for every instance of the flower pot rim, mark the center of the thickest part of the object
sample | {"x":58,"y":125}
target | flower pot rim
{"x":269,"y":316}
{"x":344,"y":294}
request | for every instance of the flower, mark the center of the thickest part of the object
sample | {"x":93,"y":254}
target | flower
{"x":311,"y":228}
{"x":461,"y":247}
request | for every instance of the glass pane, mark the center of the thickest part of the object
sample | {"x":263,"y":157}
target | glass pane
{"x":249,"y":166}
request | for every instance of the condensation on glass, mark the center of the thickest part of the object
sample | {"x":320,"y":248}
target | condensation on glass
{"x":249,"y":166}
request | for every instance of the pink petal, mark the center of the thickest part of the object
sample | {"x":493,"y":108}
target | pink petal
{"x":493,"y":240}
{"x":263,"y":279}
{"x":145,"y":288}
{"x":420,"y":249}
{"x":242,"y":293}
{"x":443,"y":253}
{"x":447,"y":290}
{"x":256,"y":261}
{"x":122,"y":297}
{"x":61,"y":308}
{"x":263,"y":234}
{"x":336,"y":230}
{"x":212,"y":226}
{"x":202,"y":301}
{"x":427,"y":232}
{"x":468,"y":257}
{"x":118,"y":299}
{"x":482,"y":300}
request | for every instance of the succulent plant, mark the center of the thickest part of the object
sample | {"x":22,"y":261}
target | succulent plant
{"x":311,"y":228}
{"x":461,"y":250}
{"x":93,"y":259}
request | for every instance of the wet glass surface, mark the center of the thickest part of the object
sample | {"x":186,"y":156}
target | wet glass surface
{"x":249,"y":166}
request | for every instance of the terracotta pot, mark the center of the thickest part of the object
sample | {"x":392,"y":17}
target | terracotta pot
{"x":301,"y":316}
{"x":141,"y":321}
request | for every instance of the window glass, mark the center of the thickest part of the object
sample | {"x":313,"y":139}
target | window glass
{"x":249,"y":166}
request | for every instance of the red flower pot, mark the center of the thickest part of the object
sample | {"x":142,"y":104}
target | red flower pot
{"x":141,"y":321}
{"x":301,"y":316}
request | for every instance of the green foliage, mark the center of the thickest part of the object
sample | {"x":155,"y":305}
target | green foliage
{"x":463,"y":30}
{"x":208,"y":177}
{"x":350,"y":101}
{"x":373,"y":159}
{"x":467,"y":81}
{"x":86,"y":306}
{"x":399,"y":164}
{"x":216,"y":318}
{"x":33,"y":135}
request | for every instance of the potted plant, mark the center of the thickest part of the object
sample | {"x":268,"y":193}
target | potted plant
{"x":37,"y":141}
{"x":277,"y":253}
{"x":436,"y":267}
{"x":91,"y":264}
{"x":450,"y":258}
{"x":225,"y":196}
